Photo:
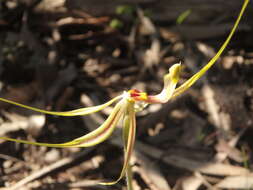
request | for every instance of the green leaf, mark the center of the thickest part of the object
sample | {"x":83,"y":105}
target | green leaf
{"x":116,"y":23}
{"x":124,"y":9}
{"x":181,"y":18}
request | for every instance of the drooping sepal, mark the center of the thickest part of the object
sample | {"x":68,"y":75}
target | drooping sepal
{"x":129,"y":133}
{"x":95,"y":137}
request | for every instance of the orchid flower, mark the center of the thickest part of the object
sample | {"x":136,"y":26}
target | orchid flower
{"x":126,"y":107}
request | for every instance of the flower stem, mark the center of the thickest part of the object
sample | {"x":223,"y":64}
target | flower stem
{"x":129,"y":178}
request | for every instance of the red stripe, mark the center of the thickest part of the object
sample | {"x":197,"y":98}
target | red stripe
{"x":106,"y":128}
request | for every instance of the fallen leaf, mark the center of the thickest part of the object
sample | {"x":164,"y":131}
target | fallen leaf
{"x":237,"y":182}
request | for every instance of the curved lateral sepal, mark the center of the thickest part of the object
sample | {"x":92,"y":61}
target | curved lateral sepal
{"x":95,"y":137}
{"x":103,"y":132}
{"x":199,"y":74}
{"x":129,"y":131}
{"x":77,"y":112}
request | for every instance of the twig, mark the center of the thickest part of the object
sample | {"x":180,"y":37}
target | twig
{"x":49,"y":169}
{"x":7,"y":157}
{"x":211,"y":167}
{"x":151,"y":173}
{"x":86,"y":183}
{"x":204,"y":181}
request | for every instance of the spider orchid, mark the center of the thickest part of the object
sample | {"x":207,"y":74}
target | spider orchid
{"x":128,"y":103}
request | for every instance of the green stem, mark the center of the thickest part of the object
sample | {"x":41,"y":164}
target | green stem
{"x":129,"y":178}
{"x":128,"y":173}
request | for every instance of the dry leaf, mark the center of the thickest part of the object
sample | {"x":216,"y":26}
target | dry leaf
{"x":237,"y":182}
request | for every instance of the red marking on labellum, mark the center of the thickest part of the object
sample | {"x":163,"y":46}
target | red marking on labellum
{"x":137,"y":95}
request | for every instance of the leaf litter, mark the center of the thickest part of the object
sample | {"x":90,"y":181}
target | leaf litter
{"x":67,"y":46}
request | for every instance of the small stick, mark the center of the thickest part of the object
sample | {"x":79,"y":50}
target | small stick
{"x":49,"y":169}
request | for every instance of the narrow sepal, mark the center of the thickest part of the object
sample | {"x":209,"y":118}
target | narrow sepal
{"x":77,"y":112}
{"x":95,"y":137}
{"x":199,"y":74}
{"x":129,"y":132}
